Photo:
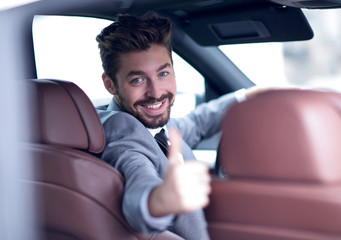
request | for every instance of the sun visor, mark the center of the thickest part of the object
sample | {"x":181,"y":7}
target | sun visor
{"x":262,"y":24}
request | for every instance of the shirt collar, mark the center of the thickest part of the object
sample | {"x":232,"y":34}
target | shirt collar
{"x":154,"y":131}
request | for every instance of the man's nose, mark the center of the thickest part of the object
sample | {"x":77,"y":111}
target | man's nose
{"x":154,"y":89}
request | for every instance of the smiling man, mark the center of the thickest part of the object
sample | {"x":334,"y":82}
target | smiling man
{"x":161,"y":191}
{"x":145,"y":85}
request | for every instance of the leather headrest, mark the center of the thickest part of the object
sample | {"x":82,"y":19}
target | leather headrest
{"x":290,"y":135}
{"x":66,"y":116}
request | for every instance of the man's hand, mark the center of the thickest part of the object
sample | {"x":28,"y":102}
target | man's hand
{"x":255,"y":90}
{"x":185,"y":188}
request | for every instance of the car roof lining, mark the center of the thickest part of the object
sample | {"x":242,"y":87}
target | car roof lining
{"x":217,"y":22}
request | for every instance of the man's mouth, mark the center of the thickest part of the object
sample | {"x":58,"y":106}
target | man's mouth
{"x":154,"y":106}
{"x":154,"y":109}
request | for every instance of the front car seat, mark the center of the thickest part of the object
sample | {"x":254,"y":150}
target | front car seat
{"x":79,"y":196}
{"x":281,"y":154}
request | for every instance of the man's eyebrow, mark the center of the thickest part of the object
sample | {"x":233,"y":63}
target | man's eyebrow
{"x":134,"y":73}
{"x":163,"y":66}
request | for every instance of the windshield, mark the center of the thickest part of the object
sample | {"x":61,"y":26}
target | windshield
{"x":313,"y":64}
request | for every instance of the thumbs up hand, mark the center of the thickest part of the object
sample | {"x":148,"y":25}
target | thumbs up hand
{"x":186,"y":185}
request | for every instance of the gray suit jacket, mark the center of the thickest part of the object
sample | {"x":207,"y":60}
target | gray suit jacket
{"x":132,"y":150}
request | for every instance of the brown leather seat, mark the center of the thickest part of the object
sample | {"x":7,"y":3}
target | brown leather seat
{"x":79,"y":196}
{"x":281,"y":152}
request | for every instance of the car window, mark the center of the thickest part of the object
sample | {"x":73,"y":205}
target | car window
{"x":307,"y":64}
{"x":65,"y":48}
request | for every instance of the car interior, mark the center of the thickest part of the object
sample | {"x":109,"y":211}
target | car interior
{"x":277,"y":168}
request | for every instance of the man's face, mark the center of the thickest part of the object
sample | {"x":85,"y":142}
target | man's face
{"x":146,"y":85}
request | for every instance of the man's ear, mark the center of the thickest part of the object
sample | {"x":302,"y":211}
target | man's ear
{"x":108,"y":84}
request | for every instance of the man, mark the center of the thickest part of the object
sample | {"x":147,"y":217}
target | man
{"x":160,"y":193}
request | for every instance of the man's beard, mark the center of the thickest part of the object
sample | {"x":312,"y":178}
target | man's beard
{"x":150,"y":122}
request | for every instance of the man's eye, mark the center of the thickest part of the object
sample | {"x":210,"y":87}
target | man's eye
{"x":136,"y":81}
{"x":163,"y":74}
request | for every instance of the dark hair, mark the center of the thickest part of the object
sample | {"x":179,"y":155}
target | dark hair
{"x":131,"y":33}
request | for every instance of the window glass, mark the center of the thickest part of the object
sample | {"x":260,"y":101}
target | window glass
{"x":66,"y":49}
{"x":308,"y":64}
{"x":190,"y":83}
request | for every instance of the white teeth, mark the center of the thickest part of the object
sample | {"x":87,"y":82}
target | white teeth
{"x":154,"y":106}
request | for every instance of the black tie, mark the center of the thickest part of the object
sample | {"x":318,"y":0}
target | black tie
{"x":162,"y":140}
